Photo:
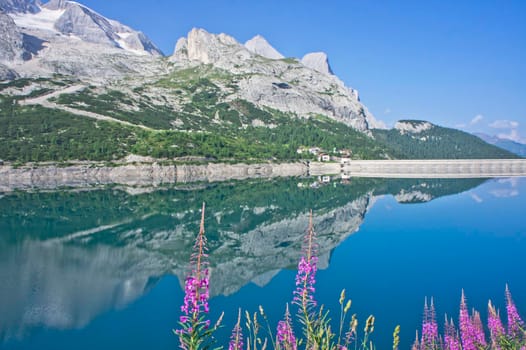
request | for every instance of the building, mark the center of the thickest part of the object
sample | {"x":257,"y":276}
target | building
{"x":324,"y":157}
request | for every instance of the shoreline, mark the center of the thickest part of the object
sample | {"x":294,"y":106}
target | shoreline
{"x":89,"y":174}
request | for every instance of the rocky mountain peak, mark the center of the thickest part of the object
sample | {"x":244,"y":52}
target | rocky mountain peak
{"x":20,"y":6}
{"x":86,"y":24}
{"x":208,"y":48}
{"x":317,"y":61}
{"x":55,"y":4}
{"x":74,"y":19}
{"x":260,"y":46}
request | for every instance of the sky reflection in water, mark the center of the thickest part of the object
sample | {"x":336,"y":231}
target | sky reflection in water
{"x":79,"y":278}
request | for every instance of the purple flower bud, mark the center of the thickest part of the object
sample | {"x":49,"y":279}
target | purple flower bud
{"x":515,"y":323}
{"x":196,"y":289}
{"x":285,"y":335}
{"x":306,"y":275}
{"x":451,"y":338}
{"x":429,"y":327}
{"x":495,"y":326}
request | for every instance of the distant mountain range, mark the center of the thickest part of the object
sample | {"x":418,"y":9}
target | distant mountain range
{"x":78,"y":85}
{"x":509,"y":145}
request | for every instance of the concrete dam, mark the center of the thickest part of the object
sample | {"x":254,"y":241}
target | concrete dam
{"x":435,"y":168}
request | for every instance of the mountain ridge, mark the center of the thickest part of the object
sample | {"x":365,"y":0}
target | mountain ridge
{"x":213,"y":97}
{"x":507,"y":144}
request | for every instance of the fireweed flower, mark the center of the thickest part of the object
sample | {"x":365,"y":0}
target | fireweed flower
{"x":478,"y":329}
{"x":194,"y":326}
{"x":451,"y":338}
{"x":515,"y":323}
{"x":467,"y":329}
{"x":429,"y":327}
{"x":285,"y":338}
{"x":306,"y":275}
{"x":304,"y":292}
{"x":495,"y":326}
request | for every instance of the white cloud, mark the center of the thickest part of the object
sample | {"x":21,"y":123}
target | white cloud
{"x":513,"y":135}
{"x":513,"y":181}
{"x":511,"y":190}
{"x":387,"y":110}
{"x":476,"y":198}
{"x":504,"y":124}
{"x":476,"y":119}
{"x":505,"y":193}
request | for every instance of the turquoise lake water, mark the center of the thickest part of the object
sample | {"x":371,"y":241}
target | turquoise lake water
{"x":103,"y":268}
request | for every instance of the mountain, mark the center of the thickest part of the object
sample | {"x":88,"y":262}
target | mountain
{"x":87,"y":87}
{"x":509,"y":145}
{"x":417,"y":139}
{"x":260,"y":46}
{"x":73,"y":21}
{"x":124,"y":243}
{"x":12,"y":42}
{"x":65,"y":37}
{"x":317,"y":61}
{"x":20,"y":6}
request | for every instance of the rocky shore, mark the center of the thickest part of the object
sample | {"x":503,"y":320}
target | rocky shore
{"x":154,"y":174}
{"x":151,"y":174}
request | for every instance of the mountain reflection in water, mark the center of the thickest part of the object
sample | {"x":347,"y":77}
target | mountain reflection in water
{"x":68,"y":256}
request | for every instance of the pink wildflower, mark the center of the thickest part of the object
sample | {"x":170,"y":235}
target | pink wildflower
{"x":495,"y":326}
{"x":285,"y":337}
{"x":306,"y":275}
{"x":451,"y":338}
{"x":196,"y":289}
{"x":429,"y":327}
{"x":467,"y":332}
{"x":478,"y":329}
{"x":515,"y":323}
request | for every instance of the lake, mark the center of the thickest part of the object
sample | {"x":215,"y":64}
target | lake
{"x":103,"y":267}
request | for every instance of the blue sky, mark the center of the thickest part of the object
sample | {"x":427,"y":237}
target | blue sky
{"x":455,"y":63}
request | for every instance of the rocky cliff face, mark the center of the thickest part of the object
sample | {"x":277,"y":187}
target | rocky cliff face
{"x":220,"y":50}
{"x":7,"y":74}
{"x":303,"y":88}
{"x":114,"y":275}
{"x":50,"y":42}
{"x":11,"y":41}
{"x":110,"y":52}
{"x":317,"y":61}
{"x":24,"y":6}
{"x":89,"y":26}
{"x":141,"y":174}
{"x":260,"y":46}
{"x":412,"y":126}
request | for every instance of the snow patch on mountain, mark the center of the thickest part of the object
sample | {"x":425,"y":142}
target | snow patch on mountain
{"x":44,"y":19}
{"x":76,"y":21}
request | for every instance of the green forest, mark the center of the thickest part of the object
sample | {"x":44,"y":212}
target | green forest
{"x":208,"y":127}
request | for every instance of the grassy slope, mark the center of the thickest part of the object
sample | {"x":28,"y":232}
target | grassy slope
{"x":192,"y":116}
{"x":204,"y":126}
